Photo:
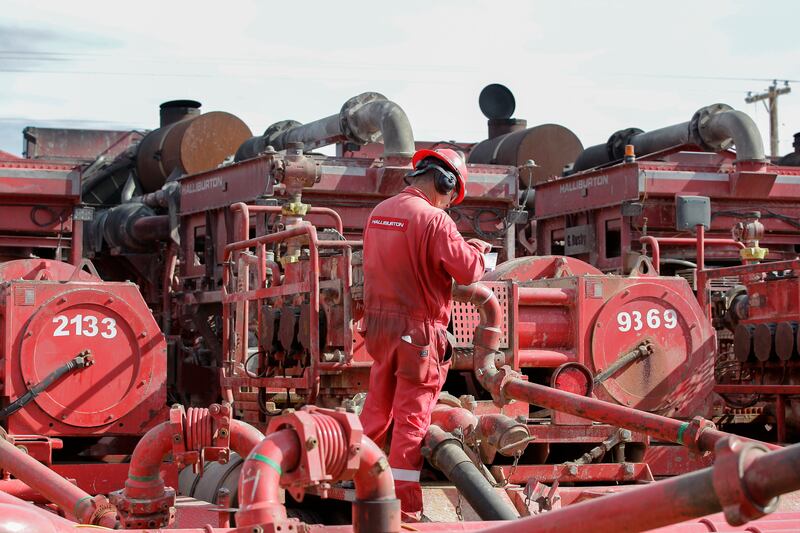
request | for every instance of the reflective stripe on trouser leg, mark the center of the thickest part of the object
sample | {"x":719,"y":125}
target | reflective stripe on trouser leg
{"x":412,"y":407}
{"x":400,"y":474}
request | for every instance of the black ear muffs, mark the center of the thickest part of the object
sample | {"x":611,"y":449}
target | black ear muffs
{"x":444,"y":181}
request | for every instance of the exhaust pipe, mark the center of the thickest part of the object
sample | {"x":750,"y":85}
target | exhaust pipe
{"x":713,"y":128}
{"x":366,"y":118}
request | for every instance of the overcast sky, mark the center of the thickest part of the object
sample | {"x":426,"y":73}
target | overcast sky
{"x":592,"y":66}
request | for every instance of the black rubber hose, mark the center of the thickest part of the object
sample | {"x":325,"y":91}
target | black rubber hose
{"x":82,"y":360}
{"x":449,"y":457}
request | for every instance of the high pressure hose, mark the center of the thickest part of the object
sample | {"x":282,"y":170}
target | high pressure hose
{"x":82,"y":360}
{"x":446,"y":453}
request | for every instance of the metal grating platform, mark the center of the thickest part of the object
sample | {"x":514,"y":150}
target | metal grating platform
{"x":465,"y":317}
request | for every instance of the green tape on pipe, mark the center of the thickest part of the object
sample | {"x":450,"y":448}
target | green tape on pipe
{"x":266,"y":460}
{"x":681,"y":431}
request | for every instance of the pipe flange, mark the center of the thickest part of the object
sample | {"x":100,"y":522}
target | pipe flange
{"x":700,"y":133}
{"x":177,"y":419}
{"x":690,"y":433}
{"x":615,"y":146}
{"x":733,"y":457}
{"x":141,"y":513}
{"x":352,"y":131}
{"x":504,"y":376}
{"x":102,"y":508}
{"x":277,"y":129}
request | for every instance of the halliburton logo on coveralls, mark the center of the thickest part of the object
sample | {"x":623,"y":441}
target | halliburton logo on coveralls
{"x":412,"y":253}
{"x":395,"y":224}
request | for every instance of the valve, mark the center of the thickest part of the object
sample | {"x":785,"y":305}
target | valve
{"x":750,"y":233}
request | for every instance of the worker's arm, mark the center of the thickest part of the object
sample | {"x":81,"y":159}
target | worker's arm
{"x":461,"y":259}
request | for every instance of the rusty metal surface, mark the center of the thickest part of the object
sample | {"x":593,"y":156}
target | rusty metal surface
{"x":76,"y":144}
{"x":189,"y":146}
{"x":575,"y":473}
{"x":551,"y":146}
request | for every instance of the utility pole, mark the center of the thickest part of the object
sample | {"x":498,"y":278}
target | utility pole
{"x":772,"y":94}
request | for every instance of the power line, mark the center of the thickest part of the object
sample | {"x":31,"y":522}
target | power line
{"x":714,"y":78}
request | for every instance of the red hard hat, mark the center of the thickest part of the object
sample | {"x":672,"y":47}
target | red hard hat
{"x":453,"y":160}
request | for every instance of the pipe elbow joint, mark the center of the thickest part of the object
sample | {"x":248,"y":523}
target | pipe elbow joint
{"x":484,"y":298}
{"x":718,"y":127}
{"x":370,"y":117}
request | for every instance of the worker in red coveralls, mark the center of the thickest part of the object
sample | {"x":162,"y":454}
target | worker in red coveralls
{"x":412,"y":254}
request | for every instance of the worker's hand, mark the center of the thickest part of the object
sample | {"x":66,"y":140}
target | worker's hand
{"x":482,"y":246}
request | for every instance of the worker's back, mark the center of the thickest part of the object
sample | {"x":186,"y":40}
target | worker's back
{"x":412,"y":251}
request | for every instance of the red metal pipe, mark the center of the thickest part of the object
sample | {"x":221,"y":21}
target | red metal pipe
{"x":19,"y":515}
{"x":775,"y":473}
{"x":373,"y":479}
{"x":68,"y":497}
{"x":674,"y":500}
{"x":242,"y":210}
{"x":313,"y":210}
{"x":701,"y":247}
{"x":30,"y":518}
{"x":543,"y":358}
{"x":545,"y":296}
{"x":244,"y":437}
{"x":449,"y":418}
{"x":486,"y":340}
{"x":145,"y":487}
{"x":655,"y":246}
{"x":245,"y":210}
{"x":497,"y":430}
{"x":688,"y":241}
{"x":655,"y":250}
{"x":340,"y":244}
{"x":661,"y":427}
{"x":20,"y":489}
{"x":777,"y":523}
{"x":259,"y":481}
{"x":144,"y":477}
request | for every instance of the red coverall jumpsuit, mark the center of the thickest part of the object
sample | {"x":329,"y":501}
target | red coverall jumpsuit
{"x":412,"y":253}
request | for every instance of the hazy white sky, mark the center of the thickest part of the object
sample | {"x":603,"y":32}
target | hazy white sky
{"x":592,"y":66}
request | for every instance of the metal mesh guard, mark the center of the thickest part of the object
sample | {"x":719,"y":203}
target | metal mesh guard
{"x":465,"y":317}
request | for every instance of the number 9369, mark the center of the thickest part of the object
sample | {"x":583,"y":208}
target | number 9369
{"x":651,"y":318}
